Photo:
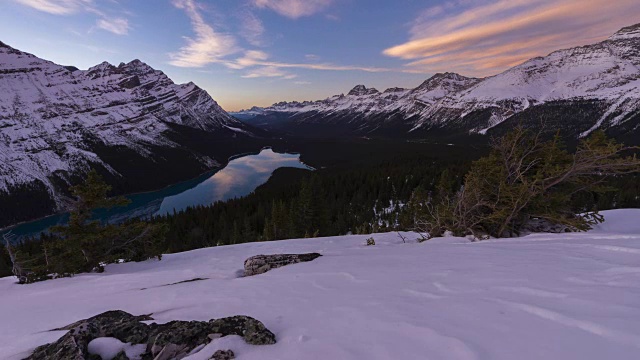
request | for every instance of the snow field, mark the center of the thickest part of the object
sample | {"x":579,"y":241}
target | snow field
{"x":544,"y":296}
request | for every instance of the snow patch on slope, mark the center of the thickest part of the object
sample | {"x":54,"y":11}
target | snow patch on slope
{"x":51,"y":117}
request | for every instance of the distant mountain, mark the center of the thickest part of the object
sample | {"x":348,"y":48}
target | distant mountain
{"x":576,"y":90}
{"x":130,"y":121}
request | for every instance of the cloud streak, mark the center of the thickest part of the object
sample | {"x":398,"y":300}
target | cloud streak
{"x":115,"y":25}
{"x":211,"y":47}
{"x":254,"y":58}
{"x":208,"y":46}
{"x":252,"y":28}
{"x":294,"y":9}
{"x":57,"y":7}
{"x":118,"y":26}
{"x":483,"y":39}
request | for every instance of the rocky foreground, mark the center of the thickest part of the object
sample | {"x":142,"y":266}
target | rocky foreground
{"x":173,"y":340}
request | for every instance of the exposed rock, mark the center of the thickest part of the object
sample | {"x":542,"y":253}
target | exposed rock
{"x":130,"y":83}
{"x":223,"y":355}
{"x":544,"y":226}
{"x":173,"y":340}
{"x":260,"y":264}
{"x":251,"y":330}
{"x":179,"y":282}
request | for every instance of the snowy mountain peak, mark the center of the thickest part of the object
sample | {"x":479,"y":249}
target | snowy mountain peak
{"x":628,"y":32}
{"x":394,"y":90}
{"x":102,"y":69}
{"x":55,"y":118}
{"x":102,"y":65}
{"x":137,"y":66}
{"x":361,"y":90}
{"x":440,"y":79}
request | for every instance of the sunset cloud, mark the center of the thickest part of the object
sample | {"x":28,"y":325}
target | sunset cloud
{"x":208,"y":46}
{"x":115,"y":25}
{"x":484,"y":39}
{"x":268,"y":71}
{"x":294,"y":8}
{"x":252,"y":28}
{"x":254,"y":58}
{"x":56,"y":7}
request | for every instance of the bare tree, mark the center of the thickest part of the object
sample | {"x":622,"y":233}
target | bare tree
{"x":17,"y":267}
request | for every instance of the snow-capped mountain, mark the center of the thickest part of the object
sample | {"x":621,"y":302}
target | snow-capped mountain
{"x":56,"y":122}
{"x":600,"y":81}
{"x":361,"y":104}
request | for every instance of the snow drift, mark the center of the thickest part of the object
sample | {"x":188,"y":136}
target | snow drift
{"x":544,"y":296}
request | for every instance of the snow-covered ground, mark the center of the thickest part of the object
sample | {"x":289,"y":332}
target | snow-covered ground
{"x":565,"y":296}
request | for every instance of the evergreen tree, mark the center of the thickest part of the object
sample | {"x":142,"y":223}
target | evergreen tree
{"x":5,"y":262}
{"x":7,"y":255}
{"x":525,"y":177}
{"x":85,"y":245}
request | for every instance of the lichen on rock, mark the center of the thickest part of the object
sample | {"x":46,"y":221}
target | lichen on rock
{"x":260,"y":264}
{"x":173,"y":340}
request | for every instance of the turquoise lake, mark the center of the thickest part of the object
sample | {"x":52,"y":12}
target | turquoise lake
{"x":240,"y":177}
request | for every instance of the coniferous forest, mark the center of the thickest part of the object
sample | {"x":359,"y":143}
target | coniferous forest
{"x":374,"y":189}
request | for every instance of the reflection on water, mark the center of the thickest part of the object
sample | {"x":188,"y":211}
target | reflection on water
{"x":239,"y":178}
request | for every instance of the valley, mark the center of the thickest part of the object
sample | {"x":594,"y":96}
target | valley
{"x":241,"y":176}
{"x":432,"y":180}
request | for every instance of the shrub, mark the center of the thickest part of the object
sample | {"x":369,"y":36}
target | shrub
{"x":525,"y":177}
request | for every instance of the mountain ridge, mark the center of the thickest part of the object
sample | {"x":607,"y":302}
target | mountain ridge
{"x":56,"y":123}
{"x":604,"y":76}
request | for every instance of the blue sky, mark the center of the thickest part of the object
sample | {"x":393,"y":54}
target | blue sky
{"x":257,"y":52}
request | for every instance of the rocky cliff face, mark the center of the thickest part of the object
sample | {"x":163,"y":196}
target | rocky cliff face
{"x":56,"y":122}
{"x":579,"y":90}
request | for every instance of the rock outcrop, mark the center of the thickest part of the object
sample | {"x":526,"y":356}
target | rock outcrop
{"x":223,"y":355}
{"x":260,"y":264}
{"x":173,"y":340}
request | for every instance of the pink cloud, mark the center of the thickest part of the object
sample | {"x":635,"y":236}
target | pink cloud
{"x":293,"y":8}
{"x":482,"y":39}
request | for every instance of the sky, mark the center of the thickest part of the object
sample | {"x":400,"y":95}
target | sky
{"x":258,"y":52}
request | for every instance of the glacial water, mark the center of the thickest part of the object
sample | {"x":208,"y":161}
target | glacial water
{"x":240,"y":177}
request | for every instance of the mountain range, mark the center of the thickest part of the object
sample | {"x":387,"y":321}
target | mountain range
{"x":141,"y":131}
{"x":576,"y":90}
{"x":131,"y":122}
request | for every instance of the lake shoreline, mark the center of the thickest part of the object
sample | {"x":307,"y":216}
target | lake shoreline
{"x":145,"y":200}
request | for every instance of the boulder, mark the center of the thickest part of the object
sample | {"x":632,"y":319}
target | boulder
{"x":544,"y":226}
{"x":260,"y":264}
{"x":223,"y":355}
{"x":173,"y":340}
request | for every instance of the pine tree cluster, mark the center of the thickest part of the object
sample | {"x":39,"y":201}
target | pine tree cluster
{"x":85,"y":245}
